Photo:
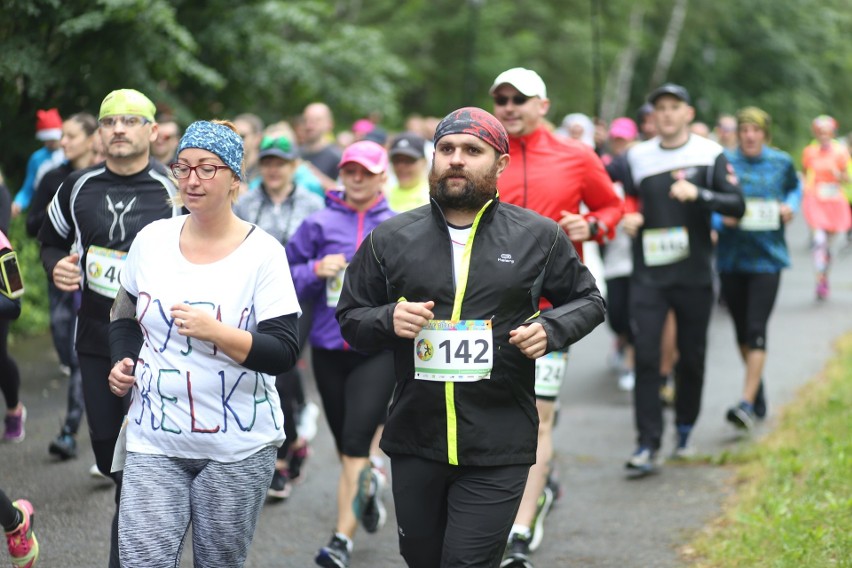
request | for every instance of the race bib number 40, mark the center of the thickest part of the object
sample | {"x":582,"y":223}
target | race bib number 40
{"x":102,"y":268}
{"x":454,"y":351}
{"x":665,"y":246}
{"x":761,"y":215}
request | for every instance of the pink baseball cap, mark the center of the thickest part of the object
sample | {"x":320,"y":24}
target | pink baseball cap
{"x":369,"y":154}
{"x":623,"y":128}
{"x":363,"y":126}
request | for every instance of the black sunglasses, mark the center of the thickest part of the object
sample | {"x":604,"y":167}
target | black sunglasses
{"x":517,"y":100}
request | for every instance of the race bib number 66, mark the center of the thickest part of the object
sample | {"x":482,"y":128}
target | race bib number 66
{"x":454,"y":351}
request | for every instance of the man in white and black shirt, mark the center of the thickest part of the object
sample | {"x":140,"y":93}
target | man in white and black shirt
{"x":96,"y":214}
{"x":677,"y":180}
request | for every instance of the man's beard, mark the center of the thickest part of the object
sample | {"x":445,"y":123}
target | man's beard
{"x":475,"y":193}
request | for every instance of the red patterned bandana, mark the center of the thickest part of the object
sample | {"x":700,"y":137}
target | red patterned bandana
{"x":476,"y":122}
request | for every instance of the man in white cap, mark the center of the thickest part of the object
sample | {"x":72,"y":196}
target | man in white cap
{"x":96,"y":213}
{"x":551,"y":176}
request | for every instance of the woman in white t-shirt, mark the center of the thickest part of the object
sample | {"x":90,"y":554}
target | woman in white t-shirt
{"x":205,"y":319}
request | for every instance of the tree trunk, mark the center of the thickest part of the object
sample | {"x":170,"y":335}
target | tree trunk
{"x":669,"y":46}
{"x":617,"y":89}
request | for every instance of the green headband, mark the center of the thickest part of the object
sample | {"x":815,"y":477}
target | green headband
{"x":756,"y":116}
{"x":127,"y":101}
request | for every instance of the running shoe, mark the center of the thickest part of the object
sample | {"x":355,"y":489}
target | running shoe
{"x":643,"y":462}
{"x":626,"y":381}
{"x":545,"y":502}
{"x":335,"y":554}
{"x":682,"y":448}
{"x":15,"y":431}
{"x":22,"y":543}
{"x":95,"y":473}
{"x":822,"y":288}
{"x":368,"y":504}
{"x":517,"y":552}
{"x":760,"y":402}
{"x":64,"y":446}
{"x":296,"y":463}
{"x":307,"y":424}
{"x":553,"y":483}
{"x":279,"y":487}
{"x":742,"y":416}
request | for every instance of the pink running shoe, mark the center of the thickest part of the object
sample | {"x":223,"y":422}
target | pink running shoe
{"x":15,"y":426}
{"x":822,"y":288}
{"x":22,"y":543}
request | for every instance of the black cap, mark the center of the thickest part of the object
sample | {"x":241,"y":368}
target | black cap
{"x":408,"y":144}
{"x":378,"y":135}
{"x":670,"y":89}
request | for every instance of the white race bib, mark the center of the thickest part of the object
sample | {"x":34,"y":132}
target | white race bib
{"x":828,"y":190}
{"x":102,"y":268}
{"x":454,"y":351}
{"x":761,"y":215}
{"x":550,"y":370}
{"x":665,"y":246}
{"x":333,"y":287}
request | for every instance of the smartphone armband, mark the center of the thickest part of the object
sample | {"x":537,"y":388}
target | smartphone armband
{"x":11,"y":280}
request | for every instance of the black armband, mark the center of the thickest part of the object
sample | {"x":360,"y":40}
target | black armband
{"x":274,"y":346}
{"x":125,"y":340}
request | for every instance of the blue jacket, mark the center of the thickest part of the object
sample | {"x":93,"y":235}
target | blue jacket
{"x":771,"y":175}
{"x":337,"y":229}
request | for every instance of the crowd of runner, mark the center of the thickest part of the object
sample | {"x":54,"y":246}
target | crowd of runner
{"x":226,"y":248}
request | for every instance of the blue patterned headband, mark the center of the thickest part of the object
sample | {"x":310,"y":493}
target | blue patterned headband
{"x":216,"y":138}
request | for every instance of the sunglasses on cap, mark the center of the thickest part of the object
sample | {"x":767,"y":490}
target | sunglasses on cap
{"x":517,"y":100}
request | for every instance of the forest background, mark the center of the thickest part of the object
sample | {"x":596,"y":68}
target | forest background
{"x":209,"y":58}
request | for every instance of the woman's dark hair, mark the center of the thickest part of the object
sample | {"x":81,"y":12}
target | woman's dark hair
{"x":86,"y":120}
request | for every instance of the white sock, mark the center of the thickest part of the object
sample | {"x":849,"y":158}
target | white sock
{"x":522,"y":530}
{"x":345,"y":539}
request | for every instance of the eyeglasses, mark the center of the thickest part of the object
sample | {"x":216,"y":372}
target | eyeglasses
{"x":202,"y":171}
{"x":517,"y":100}
{"x":130,"y":121}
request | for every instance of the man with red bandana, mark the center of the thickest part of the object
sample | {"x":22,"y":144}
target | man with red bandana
{"x":453,"y":288}
{"x":551,"y":176}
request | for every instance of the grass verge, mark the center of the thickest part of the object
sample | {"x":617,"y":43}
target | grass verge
{"x":793,"y":501}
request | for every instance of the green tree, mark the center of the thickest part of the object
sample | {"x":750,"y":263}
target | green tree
{"x":196,"y":59}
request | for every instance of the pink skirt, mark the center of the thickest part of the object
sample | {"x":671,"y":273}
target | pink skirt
{"x":832,"y":214}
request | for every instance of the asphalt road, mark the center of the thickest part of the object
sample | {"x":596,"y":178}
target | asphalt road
{"x":602,"y":520}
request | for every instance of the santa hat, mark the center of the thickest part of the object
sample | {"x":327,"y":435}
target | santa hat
{"x":48,"y":125}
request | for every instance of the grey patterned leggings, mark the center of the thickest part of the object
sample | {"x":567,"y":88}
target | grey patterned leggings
{"x":162,"y":495}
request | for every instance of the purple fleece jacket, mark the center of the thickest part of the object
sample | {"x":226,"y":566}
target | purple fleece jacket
{"x":337,"y":229}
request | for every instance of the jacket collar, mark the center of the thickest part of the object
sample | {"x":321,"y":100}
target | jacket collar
{"x":487,"y":216}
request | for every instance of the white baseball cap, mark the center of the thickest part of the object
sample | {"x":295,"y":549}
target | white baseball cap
{"x":527,"y":81}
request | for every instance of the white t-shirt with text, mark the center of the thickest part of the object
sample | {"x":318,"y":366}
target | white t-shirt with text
{"x":191,"y":400}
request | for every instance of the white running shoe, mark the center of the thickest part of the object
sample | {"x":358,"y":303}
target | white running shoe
{"x":626,"y":381}
{"x":307,"y":424}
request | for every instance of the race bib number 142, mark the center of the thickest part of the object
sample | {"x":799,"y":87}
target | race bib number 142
{"x":454,"y":351}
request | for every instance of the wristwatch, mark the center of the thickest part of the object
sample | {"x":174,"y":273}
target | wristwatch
{"x":594,"y":227}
